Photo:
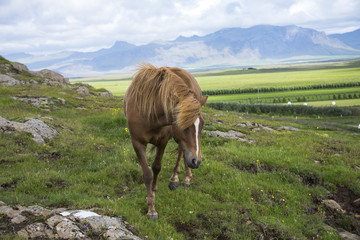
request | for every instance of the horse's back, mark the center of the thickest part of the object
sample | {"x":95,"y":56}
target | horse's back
{"x":188,"y":79}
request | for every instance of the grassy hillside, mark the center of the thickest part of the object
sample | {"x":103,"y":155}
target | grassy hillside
{"x":271,"y":189}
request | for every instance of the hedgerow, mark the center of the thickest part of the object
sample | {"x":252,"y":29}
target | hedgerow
{"x":280,"y":89}
{"x":286,"y":109}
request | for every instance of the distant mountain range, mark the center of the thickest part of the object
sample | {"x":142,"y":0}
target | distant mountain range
{"x":228,"y":47}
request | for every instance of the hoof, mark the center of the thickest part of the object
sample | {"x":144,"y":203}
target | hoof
{"x":173,"y":185}
{"x":153,"y":216}
{"x":185,"y":184}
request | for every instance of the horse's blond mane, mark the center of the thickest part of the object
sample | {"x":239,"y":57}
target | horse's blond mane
{"x":159,"y":91}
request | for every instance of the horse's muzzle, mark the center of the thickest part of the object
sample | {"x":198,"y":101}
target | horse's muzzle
{"x":195,"y":163}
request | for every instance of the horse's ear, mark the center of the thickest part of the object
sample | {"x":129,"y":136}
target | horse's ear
{"x":203,"y":100}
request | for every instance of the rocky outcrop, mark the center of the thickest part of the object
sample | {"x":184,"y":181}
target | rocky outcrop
{"x":41,"y":223}
{"x":256,"y":127}
{"x":106,"y":94}
{"x":51,"y":78}
{"x":230,"y":134}
{"x":41,"y":102}
{"x":38,"y":129}
{"x":20,"y":67}
{"x":8,"y":81}
{"x":14,"y":73}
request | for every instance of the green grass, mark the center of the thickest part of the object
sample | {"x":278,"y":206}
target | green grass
{"x":241,"y":191}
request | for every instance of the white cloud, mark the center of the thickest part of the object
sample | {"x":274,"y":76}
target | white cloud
{"x":44,"y":25}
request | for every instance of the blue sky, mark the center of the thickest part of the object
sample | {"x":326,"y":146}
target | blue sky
{"x":86,"y":25}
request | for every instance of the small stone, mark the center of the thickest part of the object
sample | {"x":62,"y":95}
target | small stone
{"x":51,"y":222}
{"x":36,"y":210}
{"x":98,"y":223}
{"x":268,"y":128}
{"x":36,"y":230}
{"x":82,"y":91}
{"x":286,"y":128}
{"x":333,"y":205}
{"x":357,"y":203}
{"x":68,"y":230}
{"x":348,"y":236}
{"x":23,"y":233}
{"x":115,"y":233}
{"x":2,"y":203}
{"x":6,"y":210}
{"x":106,"y":94}
{"x":18,"y":219}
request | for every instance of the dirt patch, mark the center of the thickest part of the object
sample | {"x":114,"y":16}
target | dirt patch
{"x":347,"y":198}
{"x":11,"y":185}
{"x":254,"y":168}
{"x":309,"y":180}
{"x":57,"y":182}
{"x":195,"y":231}
{"x":213,"y":226}
{"x":4,"y":161}
{"x":266,"y":232}
{"x":52,"y":156}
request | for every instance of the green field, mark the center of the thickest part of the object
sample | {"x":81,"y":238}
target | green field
{"x":312,"y":95}
{"x":279,"y":79}
{"x":276,"y":78}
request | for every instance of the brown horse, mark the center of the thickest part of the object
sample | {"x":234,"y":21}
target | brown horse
{"x":159,"y":104}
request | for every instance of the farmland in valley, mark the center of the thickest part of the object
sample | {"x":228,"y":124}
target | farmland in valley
{"x":270,"y":77}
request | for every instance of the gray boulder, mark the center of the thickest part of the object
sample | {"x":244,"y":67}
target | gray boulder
{"x":8,"y":81}
{"x":20,"y":67}
{"x":51,"y":78}
{"x":38,"y":129}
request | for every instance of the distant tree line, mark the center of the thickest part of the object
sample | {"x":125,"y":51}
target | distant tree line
{"x":286,"y":109}
{"x":280,"y":89}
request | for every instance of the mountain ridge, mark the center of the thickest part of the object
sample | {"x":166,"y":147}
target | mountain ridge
{"x":227,"y":47}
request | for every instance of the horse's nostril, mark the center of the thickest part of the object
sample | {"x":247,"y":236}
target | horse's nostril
{"x":193,"y":161}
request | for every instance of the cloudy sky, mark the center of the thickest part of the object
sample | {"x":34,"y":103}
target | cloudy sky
{"x":87,"y":25}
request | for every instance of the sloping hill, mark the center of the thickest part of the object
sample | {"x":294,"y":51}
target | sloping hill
{"x":282,"y":184}
{"x":351,"y":38}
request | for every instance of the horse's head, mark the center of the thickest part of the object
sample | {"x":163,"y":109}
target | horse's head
{"x":189,"y":139}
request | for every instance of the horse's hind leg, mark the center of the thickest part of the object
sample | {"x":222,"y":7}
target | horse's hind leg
{"x":140,"y":150}
{"x":174,"y":180}
{"x":156,"y":166}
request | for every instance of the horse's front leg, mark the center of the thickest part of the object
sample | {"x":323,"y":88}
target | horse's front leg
{"x":188,"y":176}
{"x":140,"y":150}
{"x":174,"y":180}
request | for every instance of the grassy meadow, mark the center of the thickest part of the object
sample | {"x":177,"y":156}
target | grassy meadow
{"x":270,"y":189}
